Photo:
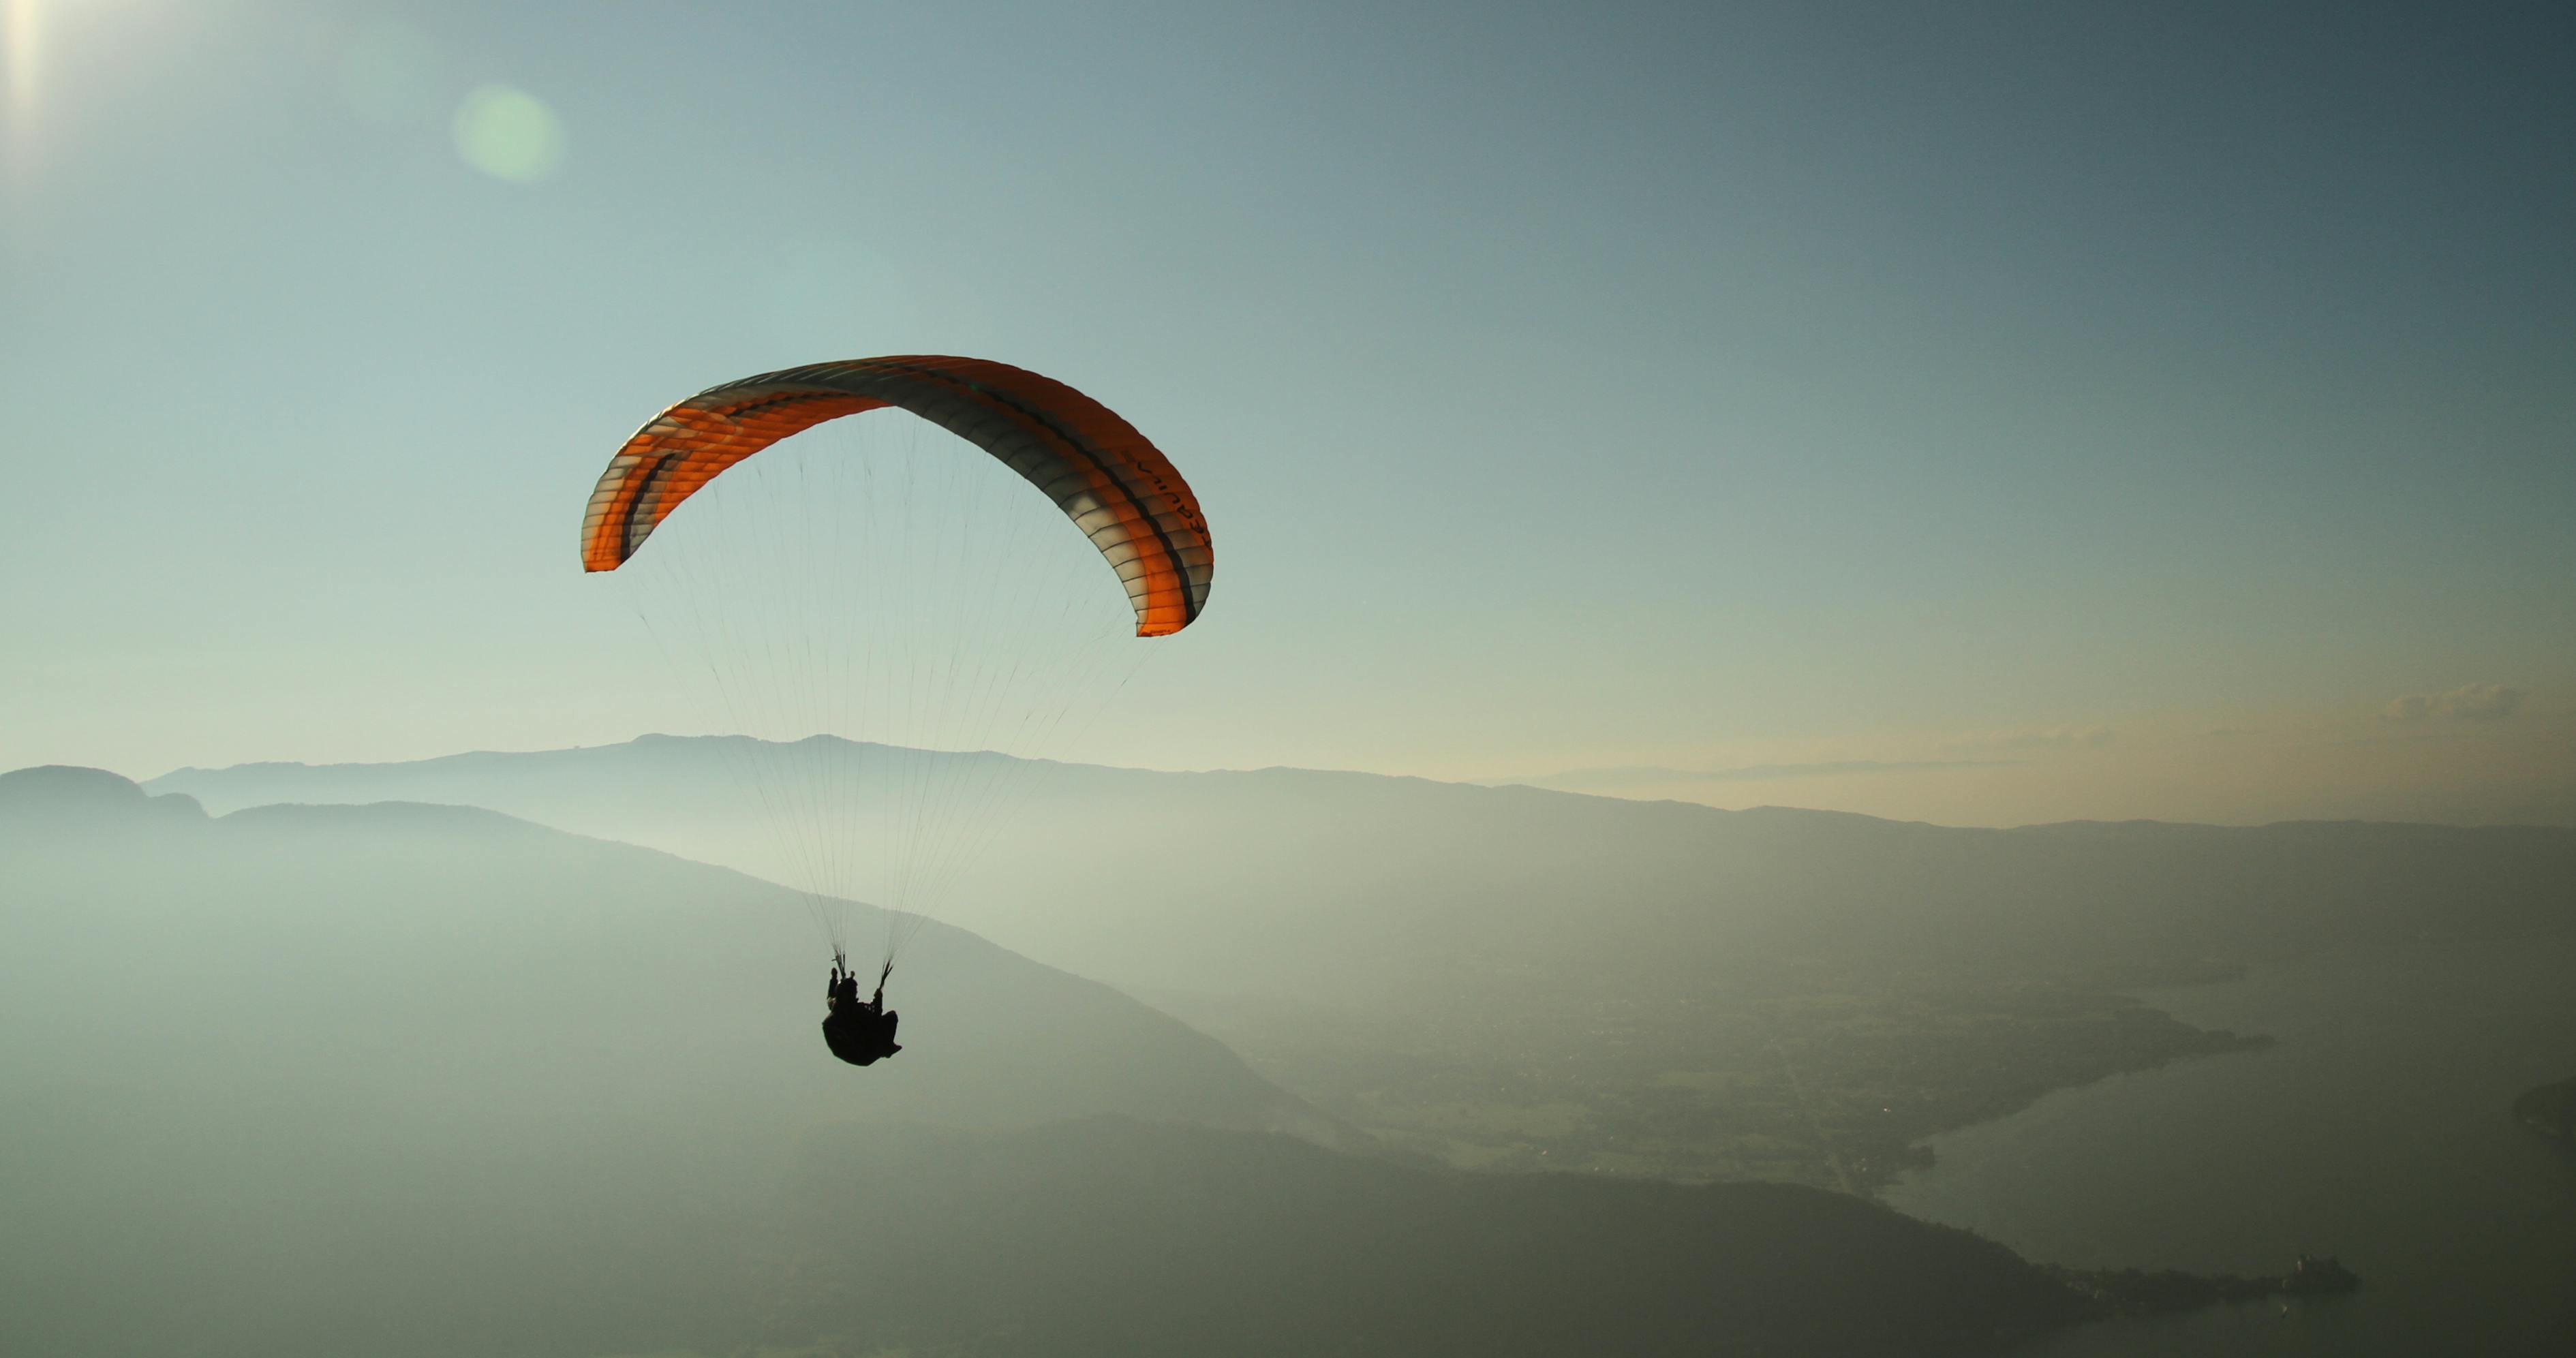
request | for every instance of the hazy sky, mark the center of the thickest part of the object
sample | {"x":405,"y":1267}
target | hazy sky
{"x":1974,"y":413}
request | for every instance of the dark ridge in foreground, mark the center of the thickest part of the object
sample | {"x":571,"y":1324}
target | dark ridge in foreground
{"x":1114,"y":1237}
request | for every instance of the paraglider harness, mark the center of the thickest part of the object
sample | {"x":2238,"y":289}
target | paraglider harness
{"x":859,"y":1033}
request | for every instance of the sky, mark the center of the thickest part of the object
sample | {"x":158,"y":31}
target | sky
{"x":1979,"y":413}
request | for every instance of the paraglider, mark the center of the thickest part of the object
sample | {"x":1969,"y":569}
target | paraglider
{"x":859,"y":1033}
{"x":876,"y":611}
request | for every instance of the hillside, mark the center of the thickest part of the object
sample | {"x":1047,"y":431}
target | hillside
{"x":1115,"y":1239}
{"x":453,"y":959}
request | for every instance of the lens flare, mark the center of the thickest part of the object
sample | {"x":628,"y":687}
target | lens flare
{"x":509,"y":134}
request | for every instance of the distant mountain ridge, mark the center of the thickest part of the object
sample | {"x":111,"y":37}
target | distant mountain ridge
{"x":1261,"y":879}
{"x":71,"y":791}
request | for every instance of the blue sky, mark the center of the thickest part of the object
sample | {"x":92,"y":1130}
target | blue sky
{"x":1699,"y":388}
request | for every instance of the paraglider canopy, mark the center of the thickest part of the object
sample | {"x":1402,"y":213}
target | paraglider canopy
{"x":1117,"y":488}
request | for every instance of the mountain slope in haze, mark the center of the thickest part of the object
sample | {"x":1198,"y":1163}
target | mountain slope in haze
{"x":1513,"y":977}
{"x":452,"y":957}
{"x":406,"y":1079}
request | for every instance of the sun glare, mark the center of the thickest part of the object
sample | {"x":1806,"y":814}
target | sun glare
{"x":19,"y":34}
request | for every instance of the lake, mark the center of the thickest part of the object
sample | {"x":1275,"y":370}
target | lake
{"x":2378,"y":1129}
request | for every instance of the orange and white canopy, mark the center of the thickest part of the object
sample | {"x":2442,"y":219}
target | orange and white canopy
{"x":1117,"y":487}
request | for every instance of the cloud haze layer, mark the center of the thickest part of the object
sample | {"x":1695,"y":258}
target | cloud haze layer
{"x":2471,"y":702}
{"x":1581,"y":779}
{"x":2483,"y":754}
